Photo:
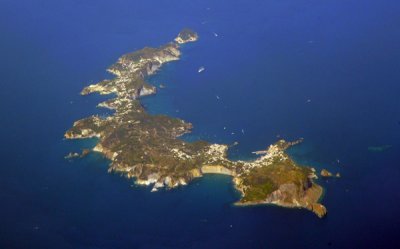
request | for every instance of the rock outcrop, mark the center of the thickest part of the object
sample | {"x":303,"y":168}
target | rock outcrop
{"x":186,"y":35}
{"x":325,"y":173}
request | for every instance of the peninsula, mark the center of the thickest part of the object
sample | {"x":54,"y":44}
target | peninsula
{"x":148,"y":148}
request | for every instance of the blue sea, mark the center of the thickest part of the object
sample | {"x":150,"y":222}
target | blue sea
{"x":326,"y":71}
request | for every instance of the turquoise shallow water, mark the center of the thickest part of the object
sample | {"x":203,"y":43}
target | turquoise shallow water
{"x":268,"y":60}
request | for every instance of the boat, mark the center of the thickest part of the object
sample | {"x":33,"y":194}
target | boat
{"x":201,"y":69}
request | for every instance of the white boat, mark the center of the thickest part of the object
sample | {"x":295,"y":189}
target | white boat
{"x":201,"y":69}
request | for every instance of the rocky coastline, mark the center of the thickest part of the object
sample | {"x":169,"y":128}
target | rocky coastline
{"x":147,"y":147}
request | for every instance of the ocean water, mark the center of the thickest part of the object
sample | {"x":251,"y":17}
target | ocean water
{"x":327,"y":71}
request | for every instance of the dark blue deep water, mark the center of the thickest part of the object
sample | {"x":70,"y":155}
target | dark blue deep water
{"x":328,"y":71}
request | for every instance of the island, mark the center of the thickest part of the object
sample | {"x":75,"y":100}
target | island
{"x":325,"y":173}
{"x":148,"y":148}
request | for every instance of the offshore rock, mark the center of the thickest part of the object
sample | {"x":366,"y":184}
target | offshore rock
{"x":186,"y":35}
